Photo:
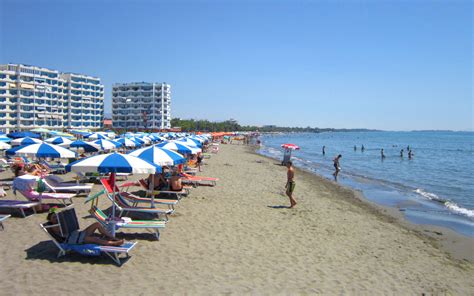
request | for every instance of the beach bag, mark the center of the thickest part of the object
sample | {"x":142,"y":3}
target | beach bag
{"x":41,"y":187}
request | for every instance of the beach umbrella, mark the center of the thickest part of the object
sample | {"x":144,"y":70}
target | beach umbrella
{"x":96,"y":136}
{"x":59,"y":141}
{"x":17,"y":135}
{"x":40,"y":130}
{"x":4,"y":138}
{"x":41,"y":151}
{"x":138,"y":140}
{"x":86,"y":146}
{"x":180,"y":148}
{"x":113,"y":163}
{"x":189,"y":142}
{"x":290,"y":146}
{"x":107,"y":144}
{"x":25,"y":141}
{"x":128,"y":142}
{"x":4,"y":146}
{"x":160,"y":157}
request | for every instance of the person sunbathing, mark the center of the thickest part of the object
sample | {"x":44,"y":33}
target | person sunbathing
{"x":175,"y":182}
{"x":86,"y":236}
{"x":157,"y":180}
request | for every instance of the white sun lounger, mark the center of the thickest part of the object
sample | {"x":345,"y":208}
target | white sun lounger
{"x":19,"y":205}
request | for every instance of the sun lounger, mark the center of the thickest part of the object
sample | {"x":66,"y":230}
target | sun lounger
{"x":57,"y":168}
{"x":2,"y":219}
{"x":67,"y":221}
{"x":33,"y":195}
{"x":152,"y":225}
{"x":123,"y":206}
{"x":177,"y":194}
{"x":25,"y":184}
{"x":198,"y":180}
{"x":56,"y":184}
{"x":19,"y":205}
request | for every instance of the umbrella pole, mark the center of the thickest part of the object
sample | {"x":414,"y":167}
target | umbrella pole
{"x":112,"y":221}
{"x":152,"y":191}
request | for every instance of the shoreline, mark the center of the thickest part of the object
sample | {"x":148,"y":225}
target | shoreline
{"x":458,"y":246}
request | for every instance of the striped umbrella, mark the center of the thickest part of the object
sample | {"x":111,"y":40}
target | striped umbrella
{"x":86,"y":146}
{"x":128,"y":142}
{"x":107,"y":144}
{"x":4,"y":138}
{"x":59,"y":141}
{"x":159,"y":156}
{"x":98,"y":136}
{"x":4,"y":146}
{"x":42,"y":150}
{"x":189,"y":142}
{"x":25,"y":141}
{"x":180,"y":148}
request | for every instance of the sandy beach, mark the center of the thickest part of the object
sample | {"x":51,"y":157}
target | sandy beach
{"x":239,"y":238}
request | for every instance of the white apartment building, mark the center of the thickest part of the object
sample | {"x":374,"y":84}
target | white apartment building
{"x":32,"y":97}
{"x":141,"y":105}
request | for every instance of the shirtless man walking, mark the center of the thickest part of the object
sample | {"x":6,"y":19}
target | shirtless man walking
{"x":290,"y":184}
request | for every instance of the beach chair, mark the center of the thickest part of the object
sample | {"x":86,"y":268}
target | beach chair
{"x":2,"y":219}
{"x":123,"y":206}
{"x":178,"y":194}
{"x":67,"y":222}
{"x":56,"y":184}
{"x":32,"y":195}
{"x":198,"y":180}
{"x":25,"y":184}
{"x":58,"y":168}
{"x":151,"y":225}
{"x":19,"y":205}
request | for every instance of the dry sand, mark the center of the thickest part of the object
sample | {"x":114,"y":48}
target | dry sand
{"x":238,"y":238}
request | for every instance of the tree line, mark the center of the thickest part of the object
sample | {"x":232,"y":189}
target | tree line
{"x":231,"y":125}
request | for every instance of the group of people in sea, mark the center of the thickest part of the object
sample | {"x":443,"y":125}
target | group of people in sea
{"x":362,"y":149}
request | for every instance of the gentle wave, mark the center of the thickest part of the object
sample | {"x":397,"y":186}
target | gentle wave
{"x":449,"y":204}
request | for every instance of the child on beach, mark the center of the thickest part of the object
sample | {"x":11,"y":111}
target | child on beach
{"x":290,"y":183}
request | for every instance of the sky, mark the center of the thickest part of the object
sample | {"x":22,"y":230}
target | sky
{"x":392,"y":65}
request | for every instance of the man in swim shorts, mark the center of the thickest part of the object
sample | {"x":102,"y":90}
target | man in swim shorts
{"x":290,"y":184}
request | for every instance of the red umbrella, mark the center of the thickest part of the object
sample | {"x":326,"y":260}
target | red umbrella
{"x":290,"y":146}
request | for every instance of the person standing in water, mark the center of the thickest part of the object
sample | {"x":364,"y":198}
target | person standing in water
{"x":401,"y":153}
{"x":355,"y":148}
{"x":290,"y":183}
{"x":324,"y":150}
{"x":410,"y":154}
{"x":362,"y":148}
{"x":382,"y":155}
{"x":336,"y":165}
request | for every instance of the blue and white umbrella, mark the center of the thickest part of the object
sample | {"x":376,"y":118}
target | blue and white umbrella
{"x":159,"y":156}
{"x":86,"y":146}
{"x":42,"y":150}
{"x":99,"y":136}
{"x":4,"y":146}
{"x":180,"y":148}
{"x":59,"y":141}
{"x":4,"y":138}
{"x":128,"y":142}
{"x":189,"y":142}
{"x":113,"y":163}
{"x":107,"y":144}
{"x":137,"y":140}
{"x":25,"y":141}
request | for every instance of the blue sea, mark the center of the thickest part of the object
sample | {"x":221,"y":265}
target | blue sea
{"x":435,"y":187}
